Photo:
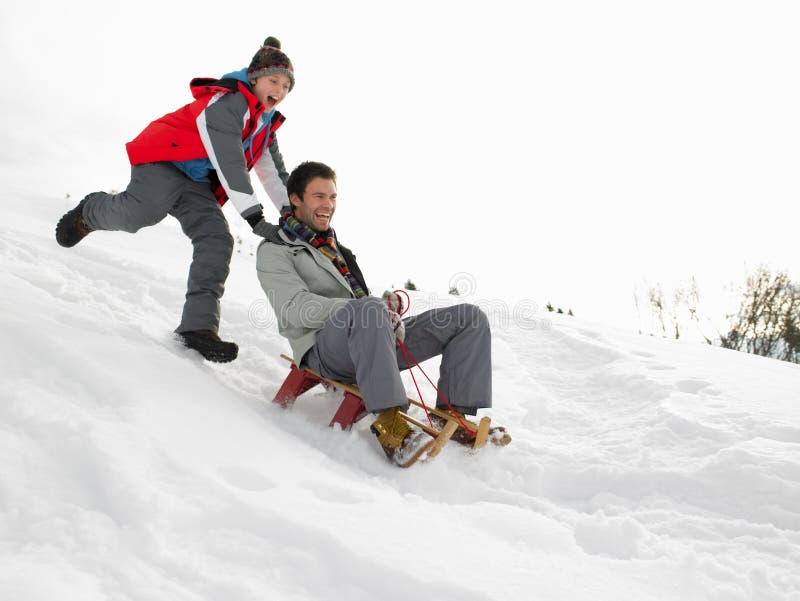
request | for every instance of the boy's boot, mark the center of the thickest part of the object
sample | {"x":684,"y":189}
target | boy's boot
{"x":71,"y":228}
{"x":208,"y":344}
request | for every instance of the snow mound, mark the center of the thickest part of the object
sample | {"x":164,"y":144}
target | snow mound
{"x":640,"y":468}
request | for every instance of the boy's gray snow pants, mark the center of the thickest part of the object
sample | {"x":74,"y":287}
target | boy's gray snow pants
{"x":160,"y":189}
{"x":357,"y":345}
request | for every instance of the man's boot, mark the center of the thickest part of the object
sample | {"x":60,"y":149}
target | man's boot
{"x":391,"y":430}
{"x":497,"y":434}
{"x":401,"y":443}
{"x":208,"y":344}
{"x":71,"y":228}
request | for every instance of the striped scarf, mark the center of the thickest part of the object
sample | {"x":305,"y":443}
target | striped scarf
{"x":325,"y":243}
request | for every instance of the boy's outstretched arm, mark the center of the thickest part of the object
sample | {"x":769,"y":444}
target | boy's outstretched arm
{"x":272,"y":173}
{"x":220,"y":127}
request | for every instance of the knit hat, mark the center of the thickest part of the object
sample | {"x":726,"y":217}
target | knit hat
{"x":270,"y":59}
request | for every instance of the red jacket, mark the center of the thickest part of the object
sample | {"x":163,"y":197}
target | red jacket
{"x":174,"y":137}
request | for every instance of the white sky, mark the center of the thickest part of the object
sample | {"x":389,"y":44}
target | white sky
{"x":560,"y":151}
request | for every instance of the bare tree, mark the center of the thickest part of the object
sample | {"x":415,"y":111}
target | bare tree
{"x":791,"y":337}
{"x":655,"y":296}
{"x":768,"y":318}
{"x":678,"y":301}
{"x":672,"y":310}
{"x":690,"y":297}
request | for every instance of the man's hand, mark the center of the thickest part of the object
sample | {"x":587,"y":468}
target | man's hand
{"x":394,"y":301}
{"x":398,"y":325}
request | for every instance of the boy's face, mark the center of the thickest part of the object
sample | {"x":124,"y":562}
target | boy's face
{"x":271,"y":89}
{"x":318,"y":204}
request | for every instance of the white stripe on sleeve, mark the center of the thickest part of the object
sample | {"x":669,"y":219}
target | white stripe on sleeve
{"x":273,"y":185}
{"x":241,"y":200}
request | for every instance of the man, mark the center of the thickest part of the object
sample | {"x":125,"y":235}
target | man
{"x":336,"y":328}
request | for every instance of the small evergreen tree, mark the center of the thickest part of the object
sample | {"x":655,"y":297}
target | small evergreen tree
{"x":453,"y":290}
{"x":550,"y":307}
{"x":409,"y":285}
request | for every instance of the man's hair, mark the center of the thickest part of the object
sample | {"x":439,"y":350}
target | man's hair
{"x":304,"y":173}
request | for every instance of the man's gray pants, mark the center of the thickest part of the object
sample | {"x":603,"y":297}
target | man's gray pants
{"x":357,"y":345}
{"x":160,"y":189}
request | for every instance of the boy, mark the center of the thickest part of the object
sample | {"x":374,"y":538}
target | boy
{"x":190,"y":162}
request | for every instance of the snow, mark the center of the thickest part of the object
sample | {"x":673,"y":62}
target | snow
{"x":132,"y":470}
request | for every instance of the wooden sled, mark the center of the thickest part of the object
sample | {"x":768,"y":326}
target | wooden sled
{"x":352,"y":410}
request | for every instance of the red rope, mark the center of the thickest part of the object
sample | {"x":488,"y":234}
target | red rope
{"x":421,"y":400}
{"x":407,"y":352}
{"x":408,"y":301}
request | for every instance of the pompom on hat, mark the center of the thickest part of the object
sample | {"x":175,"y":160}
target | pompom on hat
{"x":270,"y":59}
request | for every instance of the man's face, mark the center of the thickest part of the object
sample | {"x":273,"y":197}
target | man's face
{"x":271,"y":89}
{"x":317,"y":205}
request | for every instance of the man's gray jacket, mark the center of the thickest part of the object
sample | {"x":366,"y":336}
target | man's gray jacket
{"x":303,"y":286}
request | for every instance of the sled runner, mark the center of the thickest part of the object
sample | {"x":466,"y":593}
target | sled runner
{"x":446,"y":425}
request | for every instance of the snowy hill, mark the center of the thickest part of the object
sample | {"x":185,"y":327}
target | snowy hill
{"x":132,"y":470}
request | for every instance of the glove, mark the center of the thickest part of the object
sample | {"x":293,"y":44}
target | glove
{"x":263,"y":229}
{"x":397,"y":325}
{"x":394,"y":300}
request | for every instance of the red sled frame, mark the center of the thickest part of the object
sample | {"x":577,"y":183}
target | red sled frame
{"x":350,"y":410}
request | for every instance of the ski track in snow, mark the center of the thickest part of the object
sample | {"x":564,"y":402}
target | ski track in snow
{"x":640,"y":468}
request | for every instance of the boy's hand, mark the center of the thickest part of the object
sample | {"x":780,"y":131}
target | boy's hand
{"x":263,"y":229}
